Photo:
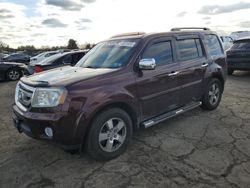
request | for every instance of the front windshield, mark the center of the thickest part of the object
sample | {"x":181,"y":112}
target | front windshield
{"x":109,"y":54}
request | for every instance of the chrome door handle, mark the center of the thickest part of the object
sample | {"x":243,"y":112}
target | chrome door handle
{"x":173,"y":73}
{"x":204,"y":65}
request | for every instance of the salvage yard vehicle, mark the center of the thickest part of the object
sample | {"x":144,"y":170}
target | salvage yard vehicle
{"x":41,"y":56}
{"x":238,"y":56}
{"x":124,"y":83}
{"x":58,"y":60}
{"x":11,"y":71}
{"x":17,"y":58}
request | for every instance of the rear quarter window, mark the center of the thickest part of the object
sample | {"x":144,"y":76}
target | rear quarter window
{"x":213,"y":45}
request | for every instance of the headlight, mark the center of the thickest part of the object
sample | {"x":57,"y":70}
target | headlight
{"x":48,"y":97}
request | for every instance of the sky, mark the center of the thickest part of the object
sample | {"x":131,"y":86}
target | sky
{"x":54,"y":22}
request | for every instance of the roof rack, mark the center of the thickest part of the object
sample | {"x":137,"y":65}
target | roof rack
{"x":187,"y":28}
{"x":128,"y":34}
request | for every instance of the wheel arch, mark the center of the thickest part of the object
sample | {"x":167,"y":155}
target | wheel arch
{"x":118,"y":104}
{"x":11,"y":67}
{"x":220,"y":78}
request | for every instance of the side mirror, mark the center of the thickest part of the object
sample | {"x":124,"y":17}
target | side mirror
{"x":147,"y":64}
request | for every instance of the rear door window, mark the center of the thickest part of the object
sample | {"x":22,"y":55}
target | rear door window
{"x":189,"y":49}
{"x":214,"y":47}
{"x":160,"y":51}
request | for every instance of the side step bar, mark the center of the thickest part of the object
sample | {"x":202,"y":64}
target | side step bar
{"x":168,"y":115}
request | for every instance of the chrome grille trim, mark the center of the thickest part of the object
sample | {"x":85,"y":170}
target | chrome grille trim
{"x":23,"y":95}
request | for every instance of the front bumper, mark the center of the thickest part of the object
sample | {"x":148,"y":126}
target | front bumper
{"x":34,"y":124}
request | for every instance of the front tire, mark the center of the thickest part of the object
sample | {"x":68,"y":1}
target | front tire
{"x":13,"y":74}
{"x":212,"y":95}
{"x":109,"y":134}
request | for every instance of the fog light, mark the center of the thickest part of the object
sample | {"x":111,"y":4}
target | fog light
{"x":49,"y":132}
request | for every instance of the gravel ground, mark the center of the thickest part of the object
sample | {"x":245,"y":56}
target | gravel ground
{"x":196,"y":149}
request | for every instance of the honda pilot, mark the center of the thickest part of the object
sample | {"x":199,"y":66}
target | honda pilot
{"x":126,"y":82}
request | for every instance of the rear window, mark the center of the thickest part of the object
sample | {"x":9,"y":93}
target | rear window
{"x":51,"y":59}
{"x":241,"y":45}
{"x":213,"y":45}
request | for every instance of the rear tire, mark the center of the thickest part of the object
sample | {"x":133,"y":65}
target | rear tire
{"x":109,"y":134}
{"x":212,"y":95}
{"x":13,"y":74}
{"x":230,"y":71}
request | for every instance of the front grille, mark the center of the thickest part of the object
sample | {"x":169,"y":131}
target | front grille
{"x":23,"y":95}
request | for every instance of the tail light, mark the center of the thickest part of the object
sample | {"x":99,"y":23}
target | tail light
{"x":38,"y":69}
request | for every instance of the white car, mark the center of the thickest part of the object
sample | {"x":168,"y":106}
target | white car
{"x":41,"y":57}
{"x":240,"y":34}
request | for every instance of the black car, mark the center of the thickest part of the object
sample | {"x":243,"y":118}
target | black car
{"x":58,"y":60}
{"x":11,"y":71}
{"x":17,"y":57}
{"x":238,"y":56}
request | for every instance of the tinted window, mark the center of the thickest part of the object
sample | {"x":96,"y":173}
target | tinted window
{"x":161,"y":52}
{"x":67,"y":59}
{"x":241,"y":45}
{"x":77,"y":57}
{"x":213,"y":45}
{"x":198,"y":45}
{"x":189,"y":49}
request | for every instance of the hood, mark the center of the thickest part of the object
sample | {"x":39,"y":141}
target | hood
{"x":64,"y":76}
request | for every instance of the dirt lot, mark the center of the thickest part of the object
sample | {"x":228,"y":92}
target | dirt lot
{"x":196,"y":149}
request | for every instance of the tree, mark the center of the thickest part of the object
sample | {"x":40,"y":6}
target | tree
{"x":88,"y":46}
{"x":72,"y":44}
{"x":29,"y":48}
{"x":4,"y":47}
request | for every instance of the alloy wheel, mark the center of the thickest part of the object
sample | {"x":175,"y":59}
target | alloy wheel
{"x":14,"y":75}
{"x":112,"y":135}
{"x":214,"y":94}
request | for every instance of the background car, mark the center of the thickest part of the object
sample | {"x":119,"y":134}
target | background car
{"x":11,"y":71}
{"x":227,"y":42}
{"x":17,"y":57}
{"x":58,"y":60}
{"x":41,"y":56}
{"x":239,"y":34}
{"x":238,"y":56}
{"x":2,"y":55}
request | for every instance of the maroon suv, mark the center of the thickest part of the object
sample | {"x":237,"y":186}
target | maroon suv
{"x":123,"y":83}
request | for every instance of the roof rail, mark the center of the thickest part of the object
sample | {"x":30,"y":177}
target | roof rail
{"x":187,"y":28}
{"x":128,"y":34}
